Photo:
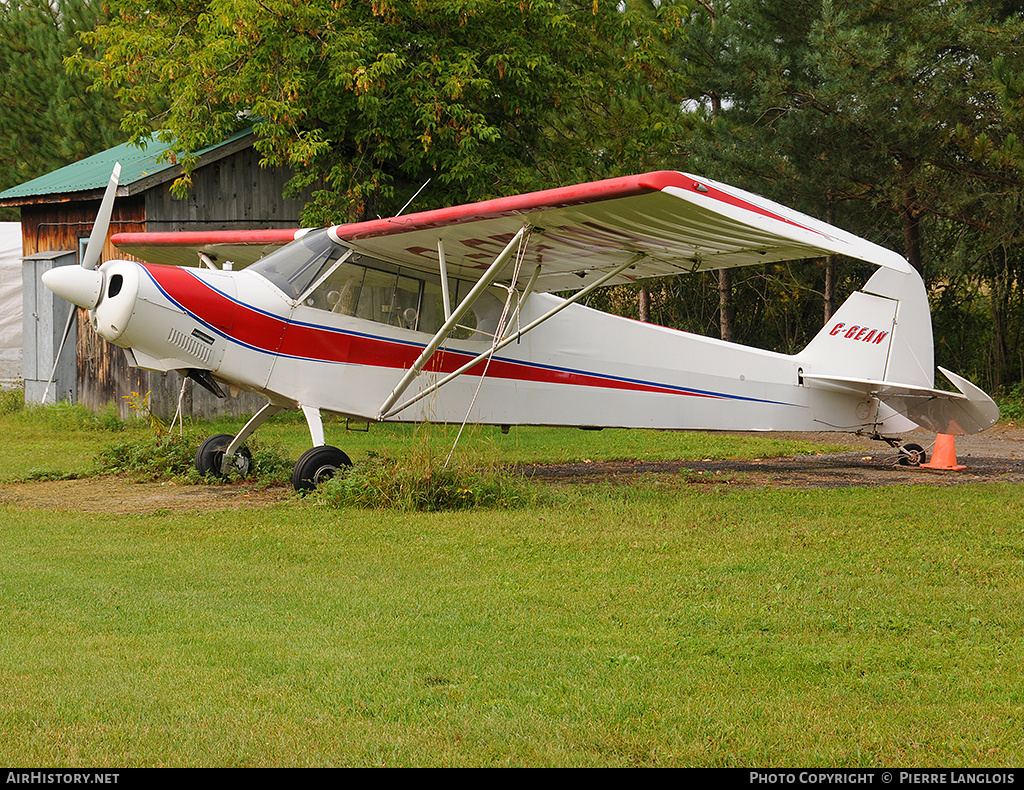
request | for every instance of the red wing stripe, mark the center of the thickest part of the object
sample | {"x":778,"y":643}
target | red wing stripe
{"x":204,"y":238}
{"x":514,"y":205}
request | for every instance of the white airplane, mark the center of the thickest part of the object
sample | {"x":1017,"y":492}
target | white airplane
{"x":449,"y":316}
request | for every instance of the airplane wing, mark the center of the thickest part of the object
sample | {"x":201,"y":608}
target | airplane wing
{"x":183,"y":248}
{"x":670,"y":222}
{"x":677,"y":221}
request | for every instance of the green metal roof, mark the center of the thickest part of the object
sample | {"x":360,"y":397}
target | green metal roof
{"x":93,"y":173}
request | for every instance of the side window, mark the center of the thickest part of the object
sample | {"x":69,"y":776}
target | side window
{"x":366,"y":288}
{"x":405,"y":308}
{"x":339,"y":293}
{"x":481,"y":322}
{"x":376,"y":295}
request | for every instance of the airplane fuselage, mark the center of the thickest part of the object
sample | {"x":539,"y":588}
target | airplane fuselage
{"x":582,"y":367}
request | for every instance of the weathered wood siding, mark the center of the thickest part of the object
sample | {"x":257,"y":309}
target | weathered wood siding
{"x":61,"y":226}
{"x":233,"y":192}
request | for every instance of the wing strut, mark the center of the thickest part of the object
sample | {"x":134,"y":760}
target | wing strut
{"x":518,"y":334}
{"x":442,"y":334}
{"x":443,"y":262}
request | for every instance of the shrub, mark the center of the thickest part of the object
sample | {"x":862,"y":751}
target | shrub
{"x":422,"y":483}
{"x":1011,"y":403}
{"x":11,"y":401}
{"x":150,"y":457}
{"x":172,"y":456}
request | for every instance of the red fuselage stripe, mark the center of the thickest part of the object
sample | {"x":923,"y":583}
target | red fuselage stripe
{"x":275,"y":335}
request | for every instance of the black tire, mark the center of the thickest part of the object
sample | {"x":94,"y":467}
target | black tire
{"x":317,"y":466}
{"x":211,"y":453}
{"x":912,"y":455}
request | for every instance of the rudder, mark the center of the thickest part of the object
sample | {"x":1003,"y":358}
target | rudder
{"x":882,"y":333}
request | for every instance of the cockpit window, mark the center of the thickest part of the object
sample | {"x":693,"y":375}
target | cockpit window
{"x":296,"y":266}
{"x":330,"y":277}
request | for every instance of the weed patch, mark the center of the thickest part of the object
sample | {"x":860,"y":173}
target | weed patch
{"x":424,"y":484}
{"x":37,"y":475}
{"x":11,"y":402}
{"x":172,"y":456}
{"x":149,"y":457}
{"x":63,"y":416}
{"x":1011,"y":403}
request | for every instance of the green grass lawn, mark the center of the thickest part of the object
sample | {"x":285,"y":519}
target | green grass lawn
{"x":651,"y":624}
{"x":65,"y":441}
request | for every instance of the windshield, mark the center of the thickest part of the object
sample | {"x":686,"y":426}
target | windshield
{"x":296,"y":266}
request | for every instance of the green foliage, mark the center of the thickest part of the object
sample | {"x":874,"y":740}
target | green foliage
{"x":900,"y":122}
{"x":151,"y":456}
{"x":11,"y":401}
{"x":37,"y":474}
{"x":139,"y":404}
{"x":1011,"y":403}
{"x":50,"y":118}
{"x":160,"y":455}
{"x":367,"y":100}
{"x":422,"y":482}
{"x":64,"y":416}
{"x":270,"y":462}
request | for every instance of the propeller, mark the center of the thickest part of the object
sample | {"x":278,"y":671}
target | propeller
{"x":82,"y":285}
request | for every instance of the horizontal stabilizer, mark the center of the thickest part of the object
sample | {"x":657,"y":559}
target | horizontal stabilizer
{"x":955,"y":413}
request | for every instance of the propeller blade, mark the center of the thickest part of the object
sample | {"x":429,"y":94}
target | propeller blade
{"x":56,"y":357}
{"x":99,"y":229}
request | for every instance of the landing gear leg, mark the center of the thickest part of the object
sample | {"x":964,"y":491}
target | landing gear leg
{"x":223,"y":453}
{"x":320,"y":463}
{"x":909,"y":454}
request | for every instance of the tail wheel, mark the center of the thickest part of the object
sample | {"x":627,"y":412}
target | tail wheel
{"x":210,"y":456}
{"x":912,"y":455}
{"x":317,"y":466}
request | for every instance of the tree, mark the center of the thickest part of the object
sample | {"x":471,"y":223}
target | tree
{"x":50,"y":118}
{"x":366,"y":100}
{"x":865,"y":114}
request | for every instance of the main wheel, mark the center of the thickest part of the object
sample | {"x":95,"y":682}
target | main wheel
{"x":211,"y":453}
{"x":317,"y":466}
{"x":912,"y":455}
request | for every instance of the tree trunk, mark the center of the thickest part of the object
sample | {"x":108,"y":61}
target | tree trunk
{"x":831,"y":261}
{"x":911,"y":216}
{"x":830,"y":286}
{"x":726,"y":309}
{"x":644,"y":300}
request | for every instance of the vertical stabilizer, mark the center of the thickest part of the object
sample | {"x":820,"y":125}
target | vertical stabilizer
{"x":881,"y":333}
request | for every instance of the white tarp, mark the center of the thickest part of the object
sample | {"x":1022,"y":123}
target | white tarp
{"x":10,"y":303}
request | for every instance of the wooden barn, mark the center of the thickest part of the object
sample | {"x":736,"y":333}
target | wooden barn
{"x":230,"y":191}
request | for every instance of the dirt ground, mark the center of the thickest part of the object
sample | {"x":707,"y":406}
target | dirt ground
{"x":118,"y":495}
{"x":995,"y":455}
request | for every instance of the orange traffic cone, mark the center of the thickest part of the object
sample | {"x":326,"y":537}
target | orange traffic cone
{"x":944,"y":454}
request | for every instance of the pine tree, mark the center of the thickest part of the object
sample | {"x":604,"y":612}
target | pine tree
{"x":50,"y":118}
